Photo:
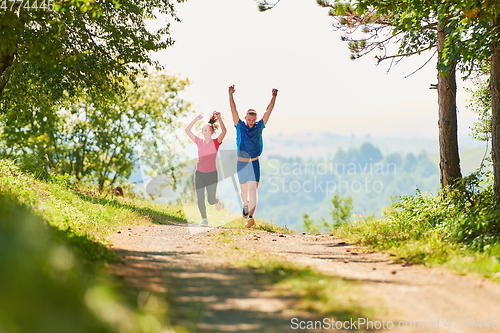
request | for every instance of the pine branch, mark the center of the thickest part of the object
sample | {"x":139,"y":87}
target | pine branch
{"x":264,"y":5}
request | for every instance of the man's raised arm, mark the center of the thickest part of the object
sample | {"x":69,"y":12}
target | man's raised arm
{"x":232,"y":104}
{"x":270,"y":107}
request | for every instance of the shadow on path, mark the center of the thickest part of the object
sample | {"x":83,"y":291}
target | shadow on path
{"x":205,"y":297}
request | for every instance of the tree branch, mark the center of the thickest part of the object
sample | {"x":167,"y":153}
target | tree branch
{"x":425,"y":64}
{"x":264,"y":5}
{"x":403,"y":55}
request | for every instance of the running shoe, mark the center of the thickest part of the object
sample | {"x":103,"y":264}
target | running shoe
{"x":250,"y":222}
{"x":204,"y":223}
{"x":245,"y":211}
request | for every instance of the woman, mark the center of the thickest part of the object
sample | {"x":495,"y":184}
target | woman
{"x":206,"y":169}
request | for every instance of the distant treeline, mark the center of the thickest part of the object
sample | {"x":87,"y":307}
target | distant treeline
{"x":293,"y":186}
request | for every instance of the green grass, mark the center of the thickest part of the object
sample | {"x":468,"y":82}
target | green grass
{"x":435,"y":230}
{"x":83,"y":214}
{"x":430,"y":250}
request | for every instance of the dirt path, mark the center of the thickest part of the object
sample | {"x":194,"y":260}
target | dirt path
{"x":209,"y":295}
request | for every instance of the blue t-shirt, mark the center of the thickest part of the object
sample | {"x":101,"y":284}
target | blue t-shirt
{"x":249,"y":139}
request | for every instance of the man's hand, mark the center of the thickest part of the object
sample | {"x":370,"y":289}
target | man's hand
{"x":270,"y":107}
{"x":232,"y":105}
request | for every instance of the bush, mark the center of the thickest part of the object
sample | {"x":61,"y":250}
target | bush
{"x":465,"y":214}
{"x":340,"y":214}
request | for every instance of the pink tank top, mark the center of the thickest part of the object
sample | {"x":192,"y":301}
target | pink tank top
{"x":207,"y":152}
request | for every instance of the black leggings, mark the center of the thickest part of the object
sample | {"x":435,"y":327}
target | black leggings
{"x":206,"y":180}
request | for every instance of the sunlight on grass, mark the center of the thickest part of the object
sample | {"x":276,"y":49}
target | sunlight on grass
{"x":422,"y":246}
{"x":84,"y":214}
{"x":485,"y":264}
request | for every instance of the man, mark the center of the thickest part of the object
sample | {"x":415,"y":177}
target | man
{"x":249,"y":145}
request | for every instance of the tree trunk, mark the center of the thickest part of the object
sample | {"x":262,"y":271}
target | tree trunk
{"x":10,"y":36}
{"x":6,"y":61}
{"x":449,"y":162}
{"x":495,"y":110}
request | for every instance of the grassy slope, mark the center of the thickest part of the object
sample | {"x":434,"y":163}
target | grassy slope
{"x":427,"y":248}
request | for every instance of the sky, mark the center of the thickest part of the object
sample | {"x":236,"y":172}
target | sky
{"x":295,"y":49}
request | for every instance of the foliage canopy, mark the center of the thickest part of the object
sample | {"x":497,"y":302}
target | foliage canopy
{"x":101,"y":142}
{"x":51,"y":54}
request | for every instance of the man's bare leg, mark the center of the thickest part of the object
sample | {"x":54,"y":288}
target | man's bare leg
{"x":252,"y":197}
{"x":252,"y":202}
{"x":244,"y":197}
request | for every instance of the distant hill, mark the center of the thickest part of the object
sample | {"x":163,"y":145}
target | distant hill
{"x":324,"y":143}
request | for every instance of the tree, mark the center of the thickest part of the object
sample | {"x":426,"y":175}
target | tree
{"x":54,"y":53}
{"x":341,"y":211}
{"x":449,"y":158}
{"x":495,"y":106}
{"x":98,"y":142}
{"x":479,"y":29}
{"x":414,"y":26}
{"x":369,"y":154}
